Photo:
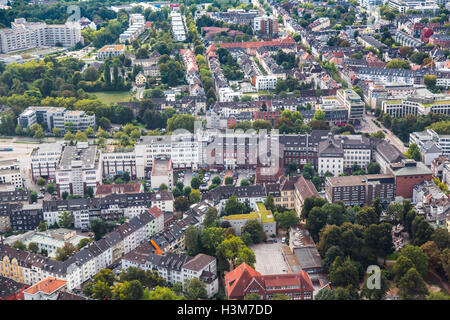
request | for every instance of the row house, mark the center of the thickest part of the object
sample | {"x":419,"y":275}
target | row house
{"x":175,"y":267}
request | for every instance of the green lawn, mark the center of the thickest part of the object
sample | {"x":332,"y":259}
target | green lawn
{"x":113,"y":97}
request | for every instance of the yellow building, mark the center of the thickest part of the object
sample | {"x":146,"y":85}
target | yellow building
{"x":141,"y":80}
{"x":11,"y":263}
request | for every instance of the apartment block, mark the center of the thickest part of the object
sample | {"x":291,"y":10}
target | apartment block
{"x":360,"y":190}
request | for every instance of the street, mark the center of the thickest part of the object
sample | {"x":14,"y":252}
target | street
{"x":367,"y":125}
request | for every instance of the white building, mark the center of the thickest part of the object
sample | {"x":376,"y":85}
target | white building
{"x":52,"y":117}
{"x":135,"y":29}
{"x":110,"y":51}
{"x":44,"y":160}
{"x":25,"y":35}
{"x":265,"y":83}
{"x":10,"y":173}
{"x":162,"y":173}
{"x":178,"y":30}
{"x":425,"y":137}
{"x":78,"y":169}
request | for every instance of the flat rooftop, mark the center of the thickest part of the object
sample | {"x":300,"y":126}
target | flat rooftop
{"x":161,"y":167}
{"x":86,"y":155}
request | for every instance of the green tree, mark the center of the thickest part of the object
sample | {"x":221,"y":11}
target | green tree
{"x":319,"y":115}
{"x":373,"y":168}
{"x":211,"y":217}
{"x":413,"y":152}
{"x":195,"y":183}
{"x":286,"y":219}
{"x":101,"y":290}
{"x":433,"y":254}
{"x":128,"y":290}
{"x":255,"y":229}
{"x":344,"y":273}
{"x":440,"y":295}
{"x":19,"y":245}
{"x":192,"y":241}
{"x":196,"y":290}
{"x":51,"y":188}
{"x":42,"y":226}
{"x":229,"y":181}
{"x":211,"y":238}
{"x":67,"y":250}
{"x":83,"y":242}
{"x":252,"y":296}
{"x":41,"y":181}
{"x":269,"y":203}
{"x":417,"y":257}
{"x":161,"y":293}
{"x":234,"y":206}
{"x":412,"y":286}
{"x":441,"y":237}
{"x":66,"y":219}
{"x":195,"y":196}
{"x":374,"y":293}
{"x":181,"y":204}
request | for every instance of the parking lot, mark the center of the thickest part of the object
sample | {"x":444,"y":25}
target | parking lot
{"x":269,"y":258}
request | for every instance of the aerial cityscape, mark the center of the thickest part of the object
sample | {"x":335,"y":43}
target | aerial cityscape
{"x":224,"y":150}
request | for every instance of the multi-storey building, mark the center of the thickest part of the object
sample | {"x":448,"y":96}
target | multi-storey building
{"x":407,"y":174}
{"x":175,"y":267}
{"x":25,"y":35}
{"x":44,"y":160}
{"x":10,"y":173}
{"x":352,"y":101}
{"x":136,"y":24}
{"x":265,"y":25}
{"x":360,"y":190}
{"x":245,"y":280}
{"x":78,"y":169}
{"x":417,"y":106}
{"x":424,"y":137}
{"x":110,"y":51}
{"x":265,"y":83}
{"x":60,"y":118}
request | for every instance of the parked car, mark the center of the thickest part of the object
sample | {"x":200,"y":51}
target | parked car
{"x":283,"y":240}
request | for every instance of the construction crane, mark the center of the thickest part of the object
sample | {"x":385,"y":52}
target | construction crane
{"x":158,"y":250}
{"x":430,"y":64}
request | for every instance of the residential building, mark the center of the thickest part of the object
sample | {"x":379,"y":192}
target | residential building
{"x":432,"y":203}
{"x":162,"y":173}
{"x":53,"y":117}
{"x":352,"y":101}
{"x":360,"y":190}
{"x":24,"y":35}
{"x":49,"y":240}
{"x":110,"y":51}
{"x":304,"y":188}
{"x":10,"y":173}
{"x":266,"y":25}
{"x":44,"y":161}
{"x":266,"y":82}
{"x":78,"y":169}
{"x":175,"y":267}
{"x":136,"y":27}
{"x":245,"y":280}
{"x":178,"y":31}
{"x":425,"y":139}
{"x":47,"y":289}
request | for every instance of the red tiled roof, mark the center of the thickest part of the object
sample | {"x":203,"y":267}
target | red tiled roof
{"x":48,"y":285}
{"x":107,"y":189}
{"x":239,"y":280}
{"x":155,"y":211}
{"x":258,"y":44}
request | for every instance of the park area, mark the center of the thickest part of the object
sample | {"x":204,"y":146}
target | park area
{"x":114,"y":97}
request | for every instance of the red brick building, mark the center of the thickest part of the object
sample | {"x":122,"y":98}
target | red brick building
{"x":245,"y":280}
{"x":407,"y":174}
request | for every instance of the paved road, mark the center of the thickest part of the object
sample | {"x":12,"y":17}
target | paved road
{"x":367,"y":125}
